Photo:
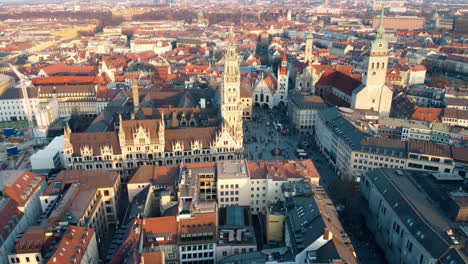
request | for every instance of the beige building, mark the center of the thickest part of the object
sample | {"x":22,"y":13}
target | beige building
{"x":401,"y":22}
{"x":246,"y":98}
{"x":274,"y":227}
{"x":353,"y":152}
{"x":302,"y":109}
{"x":83,"y":197}
{"x":233,"y":183}
{"x":455,"y":117}
{"x":5,"y":83}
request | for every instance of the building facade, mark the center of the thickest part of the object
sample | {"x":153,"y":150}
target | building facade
{"x":303,"y":109}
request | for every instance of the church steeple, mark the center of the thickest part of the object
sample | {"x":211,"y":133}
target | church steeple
{"x":284,"y":63}
{"x":380,"y":28}
{"x":283,"y":78}
{"x":309,"y":48}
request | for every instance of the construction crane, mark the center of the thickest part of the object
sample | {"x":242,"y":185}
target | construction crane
{"x":25,"y":83}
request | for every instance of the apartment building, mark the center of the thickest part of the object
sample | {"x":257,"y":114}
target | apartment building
{"x":438,"y":133}
{"x":236,"y":232}
{"x":55,"y":244}
{"x":233,"y":183}
{"x":335,"y":135}
{"x":78,"y":245}
{"x":455,"y":117}
{"x":425,"y":96}
{"x":13,"y":106}
{"x":197,"y":238}
{"x":407,"y":225}
{"x":353,"y":152}
{"x":85,"y":99}
{"x":246,"y":99}
{"x":29,"y":247}
{"x":83,"y":197}
{"x":266,"y":178}
{"x":19,"y":206}
{"x":160,"y":234}
{"x":24,"y":188}
{"x":302,"y":110}
{"x":13,"y":223}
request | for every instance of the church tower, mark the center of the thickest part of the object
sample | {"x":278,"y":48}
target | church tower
{"x":373,"y":94}
{"x":231,"y":108}
{"x":289,"y":15}
{"x":136,"y":96}
{"x":283,"y":78}
{"x":309,"y":49}
{"x":378,"y":58}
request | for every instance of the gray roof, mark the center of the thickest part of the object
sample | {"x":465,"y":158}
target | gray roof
{"x":413,"y":209}
{"x":342,"y":127}
{"x":304,"y":222}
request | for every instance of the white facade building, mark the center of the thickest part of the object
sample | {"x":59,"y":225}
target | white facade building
{"x":49,"y":158}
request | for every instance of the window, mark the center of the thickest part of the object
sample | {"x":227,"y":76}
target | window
{"x":106,"y":192}
{"x":12,"y":260}
{"x":409,"y":246}
{"x":27,"y":259}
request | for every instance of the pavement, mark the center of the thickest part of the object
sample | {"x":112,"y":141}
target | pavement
{"x":261,"y":138}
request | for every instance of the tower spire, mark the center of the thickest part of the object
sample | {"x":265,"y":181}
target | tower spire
{"x":380,"y":28}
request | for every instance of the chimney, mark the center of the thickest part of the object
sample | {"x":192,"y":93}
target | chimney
{"x":327,"y":234}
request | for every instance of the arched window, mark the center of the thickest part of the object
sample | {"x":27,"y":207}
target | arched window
{"x":372,"y":65}
{"x":378,"y":65}
{"x":383,"y":65}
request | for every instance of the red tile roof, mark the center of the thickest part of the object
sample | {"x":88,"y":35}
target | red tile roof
{"x":160,"y":227}
{"x":62,"y":68}
{"x":10,"y":217}
{"x":427,"y":114}
{"x":199,"y":223}
{"x":95,"y":141}
{"x":25,"y":185}
{"x":73,"y":245}
{"x":340,"y":80}
{"x":69,"y":80}
{"x":282,"y":170}
{"x":129,"y":248}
